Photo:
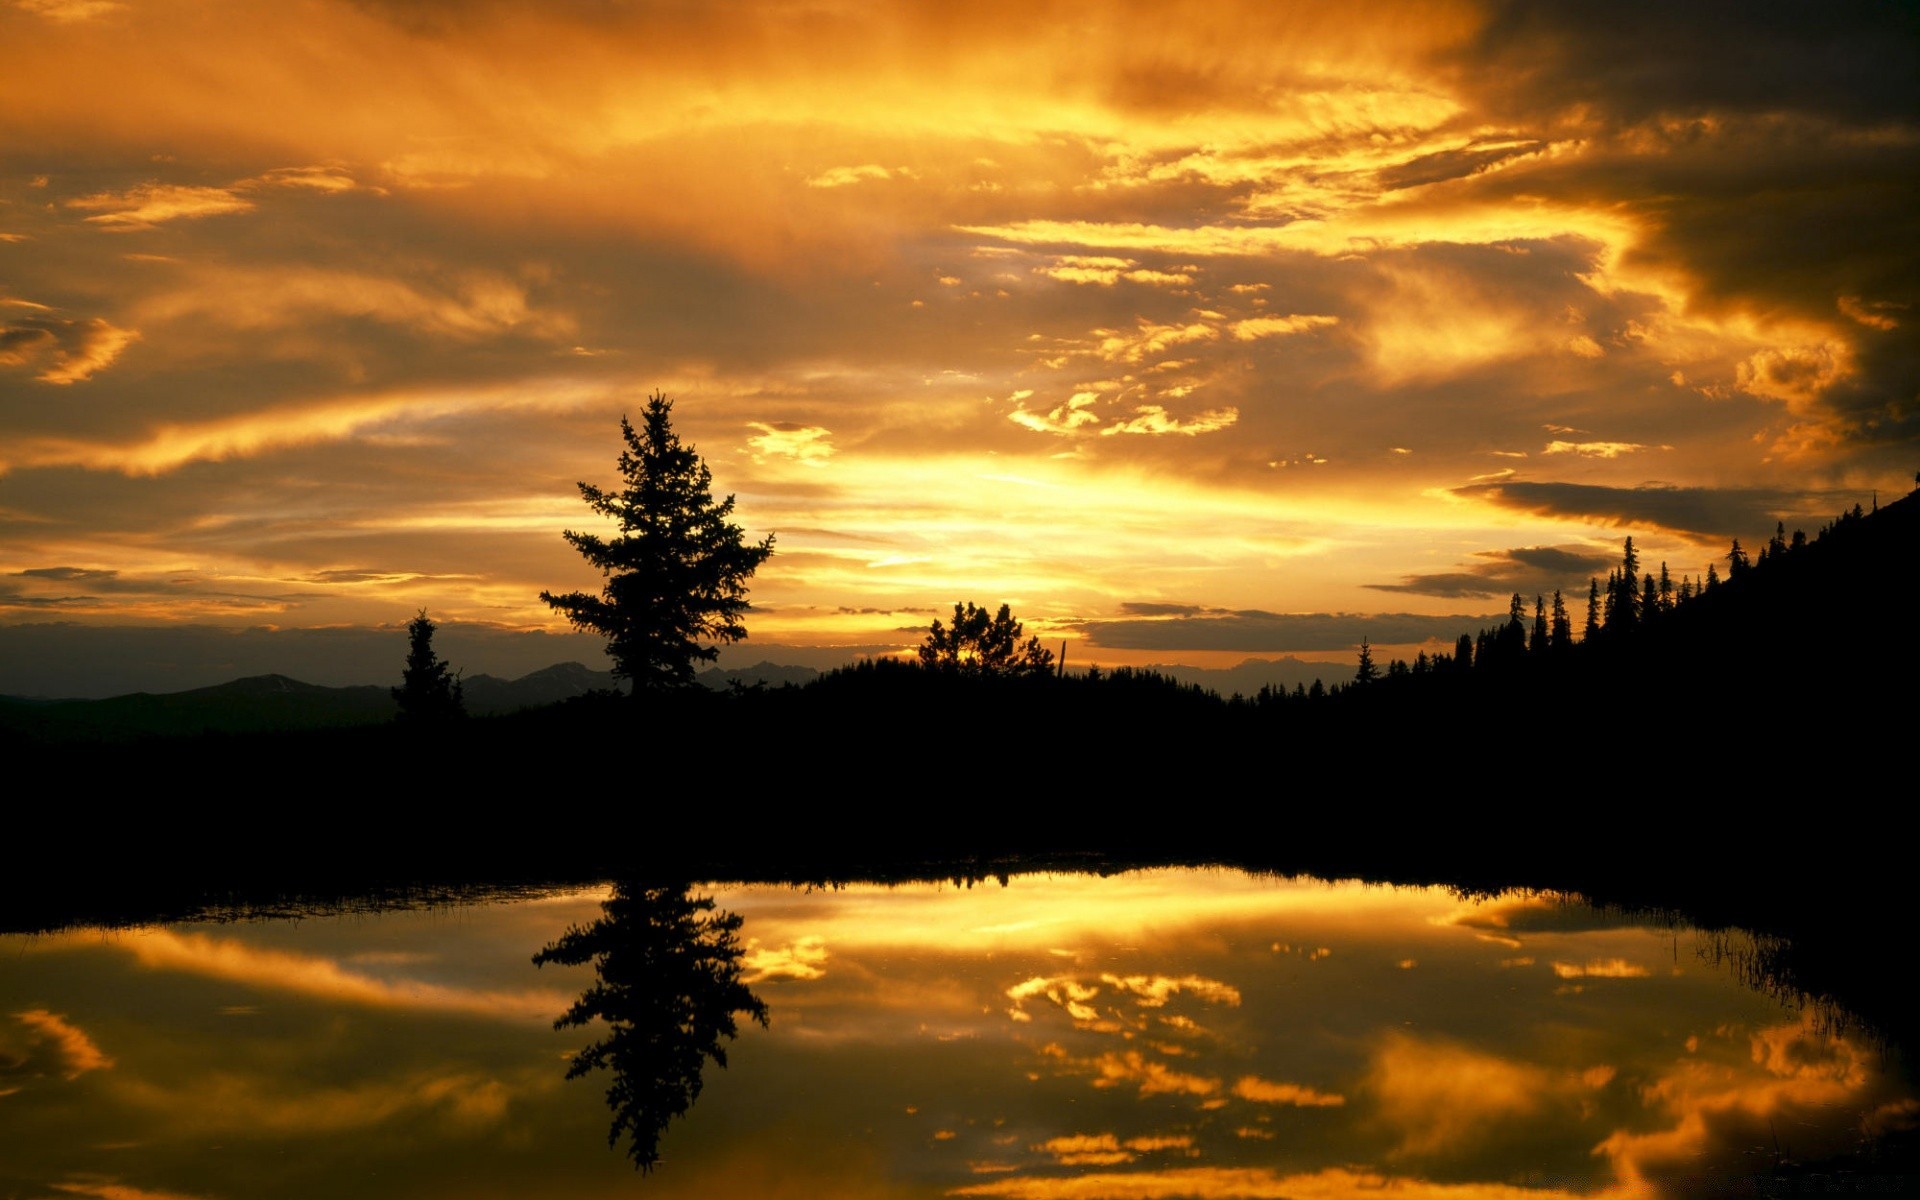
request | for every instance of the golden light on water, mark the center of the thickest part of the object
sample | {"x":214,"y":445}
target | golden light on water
{"x":1148,"y":1034}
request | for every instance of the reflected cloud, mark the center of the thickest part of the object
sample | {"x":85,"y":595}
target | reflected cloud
{"x":1264,"y":1091}
{"x":48,"y":1044}
{"x":1153,"y":991}
{"x":1797,"y":1096}
{"x":463,"y":1103}
{"x":1131,"y":1068}
{"x":1309,"y":1078}
{"x":65,"y":350}
{"x":1106,"y":1149}
{"x":1600,"y":968}
{"x":105,"y":1188}
{"x":1247,"y":1183}
{"x":1443,"y":1099}
{"x":235,"y":961}
{"x":801,"y":960}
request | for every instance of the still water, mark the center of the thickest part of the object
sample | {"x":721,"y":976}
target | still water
{"x":1155,"y":1034}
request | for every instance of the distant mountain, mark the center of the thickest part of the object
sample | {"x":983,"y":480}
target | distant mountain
{"x":261,"y":703}
{"x":254,"y":704}
{"x":486,"y":695}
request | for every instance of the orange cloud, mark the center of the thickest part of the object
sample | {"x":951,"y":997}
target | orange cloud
{"x":1816,"y":1086}
{"x":1262,"y":1091}
{"x":801,"y":960}
{"x":72,"y":1052}
{"x":322,"y":978}
{"x":1246,"y":1183}
{"x":150,"y":204}
{"x":1600,"y":968}
{"x":1441,"y":1098}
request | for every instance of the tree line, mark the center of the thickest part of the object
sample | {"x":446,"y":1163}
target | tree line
{"x":677,"y":572}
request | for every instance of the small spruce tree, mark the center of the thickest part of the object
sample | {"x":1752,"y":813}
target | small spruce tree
{"x":429,"y":690}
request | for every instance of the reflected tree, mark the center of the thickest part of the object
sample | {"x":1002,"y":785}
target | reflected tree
{"x":668,"y":985}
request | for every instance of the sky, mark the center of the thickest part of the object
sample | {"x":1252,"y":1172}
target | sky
{"x":1191,"y":1034}
{"x":1193,"y":332}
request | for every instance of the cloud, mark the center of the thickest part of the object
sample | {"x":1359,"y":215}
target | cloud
{"x":806,"y":444}
{"x":464,"y":305}
{"x":109,"y":1188}
{"x":1254,"y":328}
{"x":1063,"y":419}
{"x":65,"y":11}
{"x":1069,"y":993}
{"x":1263,"y":1091}
{"x":838,"y":177}
{"x":1123,"y":1068}
{"x":1442,"y":1099}
{"x":462,"y":1102}
{"x":1600,"y":968}
{"x":1708,"y":511}
{"x":1594,"y":449}
{"x":67,"y":351}
{"x":151,"y":204}
{"x":1150,"y":339}
{"x":1255,"y":631}
{"x":1528,"y":570}
{"x":1736,"y":1092}
{"x":1153,"y":419}
{"x":1153,"y":991}
{"x":803,"y":959}
{"x":1476,"y":156}
{"x":1874,"y":315}
{"x":1105,"y":1149}
{"x":1106,"y":271}
{"x":323,"y":978}
{"x":44,"y":1043}
{"x":1246,"y":1183}
{"x":311,"y":178}
{"x":147,"y":205}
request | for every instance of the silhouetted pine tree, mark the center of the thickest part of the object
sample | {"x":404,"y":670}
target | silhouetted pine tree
{"x":1366,"y":672}
{"x":429,"y":691}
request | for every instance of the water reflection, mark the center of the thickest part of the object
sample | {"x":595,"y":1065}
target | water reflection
{"x":667,"y":985}
{"x":1158,"y":1034}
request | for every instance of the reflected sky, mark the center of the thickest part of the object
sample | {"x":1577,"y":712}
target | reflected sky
{"x":1157,"y":1034}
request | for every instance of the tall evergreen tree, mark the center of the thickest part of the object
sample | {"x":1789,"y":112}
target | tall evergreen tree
{"x":1737,"y":564}
{"x":1562,"y":628}
{"x":677,"y":573}
{"x":1593,"y":610}
{"x":1538,"y":644}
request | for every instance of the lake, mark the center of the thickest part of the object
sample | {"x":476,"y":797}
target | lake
{"x":1165,"y":1033}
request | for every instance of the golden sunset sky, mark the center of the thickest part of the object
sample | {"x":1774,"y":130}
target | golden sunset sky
{"x":1195,"y":332}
